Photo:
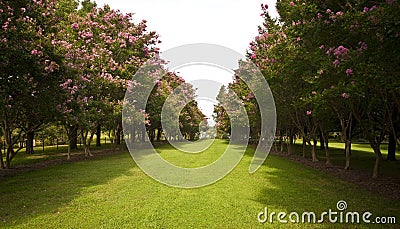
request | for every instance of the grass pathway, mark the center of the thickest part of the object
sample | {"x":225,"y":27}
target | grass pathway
{"x":112,"y":192}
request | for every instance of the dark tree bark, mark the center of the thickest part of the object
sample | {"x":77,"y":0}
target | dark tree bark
{"x":322,"y":141}
{"x":304,"y":146}
{"x":152,"y":135}
{"x":159,"y":131}
{"x":291,"y":142}
{"x":73,"y":136}
{"x":392,"y":148}
{"x":98,"y":136}
{"x":143,"y":136}
{"x":1,"y":158}
{"x":30,"y":135}
{"x":118,"y":138}
{"x":118,"y":134}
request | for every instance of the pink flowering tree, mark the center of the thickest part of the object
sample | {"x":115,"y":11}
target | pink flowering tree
{"x":30,"y":70}
{"x":103,"y":49}
{"x":329,"y":57}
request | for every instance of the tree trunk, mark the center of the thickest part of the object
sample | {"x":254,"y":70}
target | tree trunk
{"x":73,"y":136}
{"x":327,"y":155}
{"x":30,"y":135}
{"x":322,"y":141}
{"x":290,"y":145}
{"x":86,"y":143}
{"x":314,"y":150}
{"x":143,"y":136}
{"x":325,"y":142}
{"x":69,"y":150}
{"x":10,"y":141}
{"x":159,"y":132}
{"x":152,"y":135}
{"x":98,"y":136}
{"x":304,"y":146}
{"x":118,"y":135}
{"x":348,"y":154}
{"x":133,"y":136}
{"x":110,"y":135}
{"x":392,"y":148}
{"x":378,"y":159}
{"x":1,"y":159}
{"x":8,"y":157}
{"x":281,"y":142}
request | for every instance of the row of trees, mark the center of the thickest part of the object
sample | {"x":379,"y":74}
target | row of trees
{"x":333,"y":66}
{"x":70,"y":63}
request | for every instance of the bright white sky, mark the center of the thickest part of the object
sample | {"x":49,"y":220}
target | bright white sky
{"x":232,"y":24}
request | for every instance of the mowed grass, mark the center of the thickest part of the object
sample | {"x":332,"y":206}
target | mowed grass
{"x":112,"y":192}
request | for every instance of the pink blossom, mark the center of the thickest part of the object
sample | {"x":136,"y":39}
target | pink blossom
{"x":363,"y":46}
{"x":339,"y":13}
{"x":366,"y":9}
{"x":353,"y":82}
{"x":345,"y":95}
{"x":291,"y":3}
{"x":340,"y":51}
{"x":251,"y":95}
{"x":322,"y":47}
{"x":319,"y":15}
{"x":253,"y":56}
{"x":328,"y":11}
{"x":349,"y":71}
{"x":309,"y":113}
{"x":34,"y":52}
{"x":314,"y":93}
{"x":298,"y":39}
{"x":329,"y":51}
{"x":321,"y":72}
{"x":23,"y":10}
{"x":75,"y":26}
{"x":336,"y":63}
{"x":373,"y":8}
{"x":5,"y":26}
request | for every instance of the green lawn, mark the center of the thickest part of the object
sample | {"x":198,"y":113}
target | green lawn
{"x":112,"y":192}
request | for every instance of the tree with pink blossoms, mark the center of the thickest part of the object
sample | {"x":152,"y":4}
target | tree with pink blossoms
{"x":327,"y":61}
{"x":30,"y":70}
{"x":103,"y":49}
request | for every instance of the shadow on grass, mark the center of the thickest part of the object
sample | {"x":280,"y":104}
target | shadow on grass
{"x":296,"y":188}
{"x":29,"y":195}
{"x":50,"y":153}
{"x":362,"y":158}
